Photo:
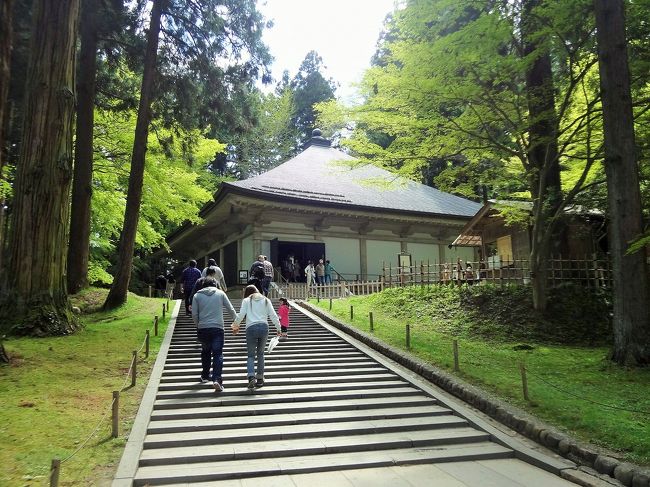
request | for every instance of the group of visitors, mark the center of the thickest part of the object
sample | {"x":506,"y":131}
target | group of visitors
{"x":208,"y":305}
{"x":318,"y":274}
{"x":192,"y":279}
{"x":458,"y":273}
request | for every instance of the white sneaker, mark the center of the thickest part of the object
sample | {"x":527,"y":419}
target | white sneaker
{"x":218,"y":387}
{"x":204,"y":380}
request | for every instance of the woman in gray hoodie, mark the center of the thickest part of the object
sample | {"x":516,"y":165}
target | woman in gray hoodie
{"x":207,"y":312}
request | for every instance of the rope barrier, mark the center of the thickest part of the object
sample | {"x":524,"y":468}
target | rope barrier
{"x":105,"y":414}
{"x":89,"y":437}
{"x":515,"y":367}
{"x":609,"y":406}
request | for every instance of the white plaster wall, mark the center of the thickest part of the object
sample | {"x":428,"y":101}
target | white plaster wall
{"x":380,"y":251}
{"x":423,"y":253}
{"x":343,"y":253}
{"x":246,"y":258}
{"x":266,"y":249}
{"x":465,"y":254}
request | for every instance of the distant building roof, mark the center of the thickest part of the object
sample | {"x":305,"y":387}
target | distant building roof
{"x":329,"y":176}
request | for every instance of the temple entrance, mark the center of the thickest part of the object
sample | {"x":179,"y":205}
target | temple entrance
{"x":292,"y":257}
{"x":230,"y":271}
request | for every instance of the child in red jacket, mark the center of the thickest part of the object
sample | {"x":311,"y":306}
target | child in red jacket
{"x":283,"y":314}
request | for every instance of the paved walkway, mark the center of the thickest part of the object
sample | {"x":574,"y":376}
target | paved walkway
{"x":333,"y":413}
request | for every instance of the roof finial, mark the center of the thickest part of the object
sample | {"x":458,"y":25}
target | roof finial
{"x":318,"y":139}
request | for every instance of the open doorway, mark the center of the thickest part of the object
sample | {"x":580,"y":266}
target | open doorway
{"x":292,"y":257}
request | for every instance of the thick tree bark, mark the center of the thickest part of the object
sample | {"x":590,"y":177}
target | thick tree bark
{"x":6,"y":32}
{"x":631,"y":293}
{"x":4,"y":356}
{"x":34,"y":298}
{"x":119,"y":289}
{"x":542,"y":154}
{"x":79,"y":247}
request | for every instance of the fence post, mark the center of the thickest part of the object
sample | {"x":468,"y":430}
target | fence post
{"x":456,"y":366}
{"x":351,"y":312}
{"x":371,"y":323}
{"x":115,"y":410}
{"x":155,"y":325}
{"x":146,"y":344}
{"x":330,"y":304}
{"x":149,"y":290}
{"x":163,"y":313}
{"x":134,"y":366}
{"x":408,"y":337}
{"x":524,"y":380}
{"x":54,"y":472}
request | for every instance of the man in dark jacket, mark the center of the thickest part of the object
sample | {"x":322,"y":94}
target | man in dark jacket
{"x":189,"y":277}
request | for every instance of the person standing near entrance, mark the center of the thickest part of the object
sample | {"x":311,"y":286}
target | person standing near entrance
{"x":320,"y":272}
{"x":268,"y":275}
{"x":189,"y":277}
{"x":207,"y":313}
{"x":257,"y":309}
{"x":328,"y":272}
{"x":310,"y":273}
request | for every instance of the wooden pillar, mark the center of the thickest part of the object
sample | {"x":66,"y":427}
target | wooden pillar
{"x":363,"y":258}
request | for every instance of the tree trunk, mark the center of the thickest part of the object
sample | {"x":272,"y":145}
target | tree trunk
{"x":34,"y":299}
{"x":4,"y":356}
{"x":542,"y":154}
{"x":6,"y":33}
{"x":119,"y":289}
{"x":79,"y":247}
{"x":630,"y":297}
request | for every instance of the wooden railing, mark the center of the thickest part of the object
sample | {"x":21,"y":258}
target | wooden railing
{"x":589,"y":270}
{"x":300,"y":290}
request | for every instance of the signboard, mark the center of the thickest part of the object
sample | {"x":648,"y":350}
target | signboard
{"x":243,"y":276}
{"x":404,"y":260}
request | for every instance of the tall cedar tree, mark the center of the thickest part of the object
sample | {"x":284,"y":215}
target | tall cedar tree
{"x":543,"y":157}
{"x":79,"y":246}
{"x":631,"y":293}
{"x":34,"y":299}
{"x":6,"y":32}
{"x":118,"y":292}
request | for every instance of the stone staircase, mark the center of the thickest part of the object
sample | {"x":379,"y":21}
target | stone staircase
{"x":326,"y":406}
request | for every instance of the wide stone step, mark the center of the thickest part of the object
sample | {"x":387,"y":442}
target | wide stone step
{"x":289,"y":388}
{"x":244,"y":398}
{"x":240,"y":469}
{"x":333,"y":408}
{"x":250,"y":421}
{"x":310,"y":446}
{"x":307,"y":381}
{"x":190,"y":375}
{"x":283,"y":432}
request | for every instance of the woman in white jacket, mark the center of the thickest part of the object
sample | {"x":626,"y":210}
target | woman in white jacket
{"x":256,"y":308}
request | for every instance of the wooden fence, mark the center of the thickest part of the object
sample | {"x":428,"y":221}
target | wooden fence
{"x":300,"y":290}
{"x":589,"y":271}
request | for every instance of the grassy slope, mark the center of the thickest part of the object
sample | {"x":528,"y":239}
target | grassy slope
{"x":57,"y":389}
{"x":496,"y":330}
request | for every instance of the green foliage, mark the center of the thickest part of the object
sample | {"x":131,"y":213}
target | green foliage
{"x":175,"y":183}
{"x":56,"y":390}
{"x":568,"y":383}
{"x":576,"y":315}
{"x":271,"y":140}
{"x":309,"y":87}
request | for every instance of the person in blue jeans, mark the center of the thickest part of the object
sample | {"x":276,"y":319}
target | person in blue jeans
{"x":208,"y":305}
{"x":257,"y":309}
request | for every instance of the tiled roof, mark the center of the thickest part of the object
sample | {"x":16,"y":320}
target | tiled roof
{"x":326,"y":175}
